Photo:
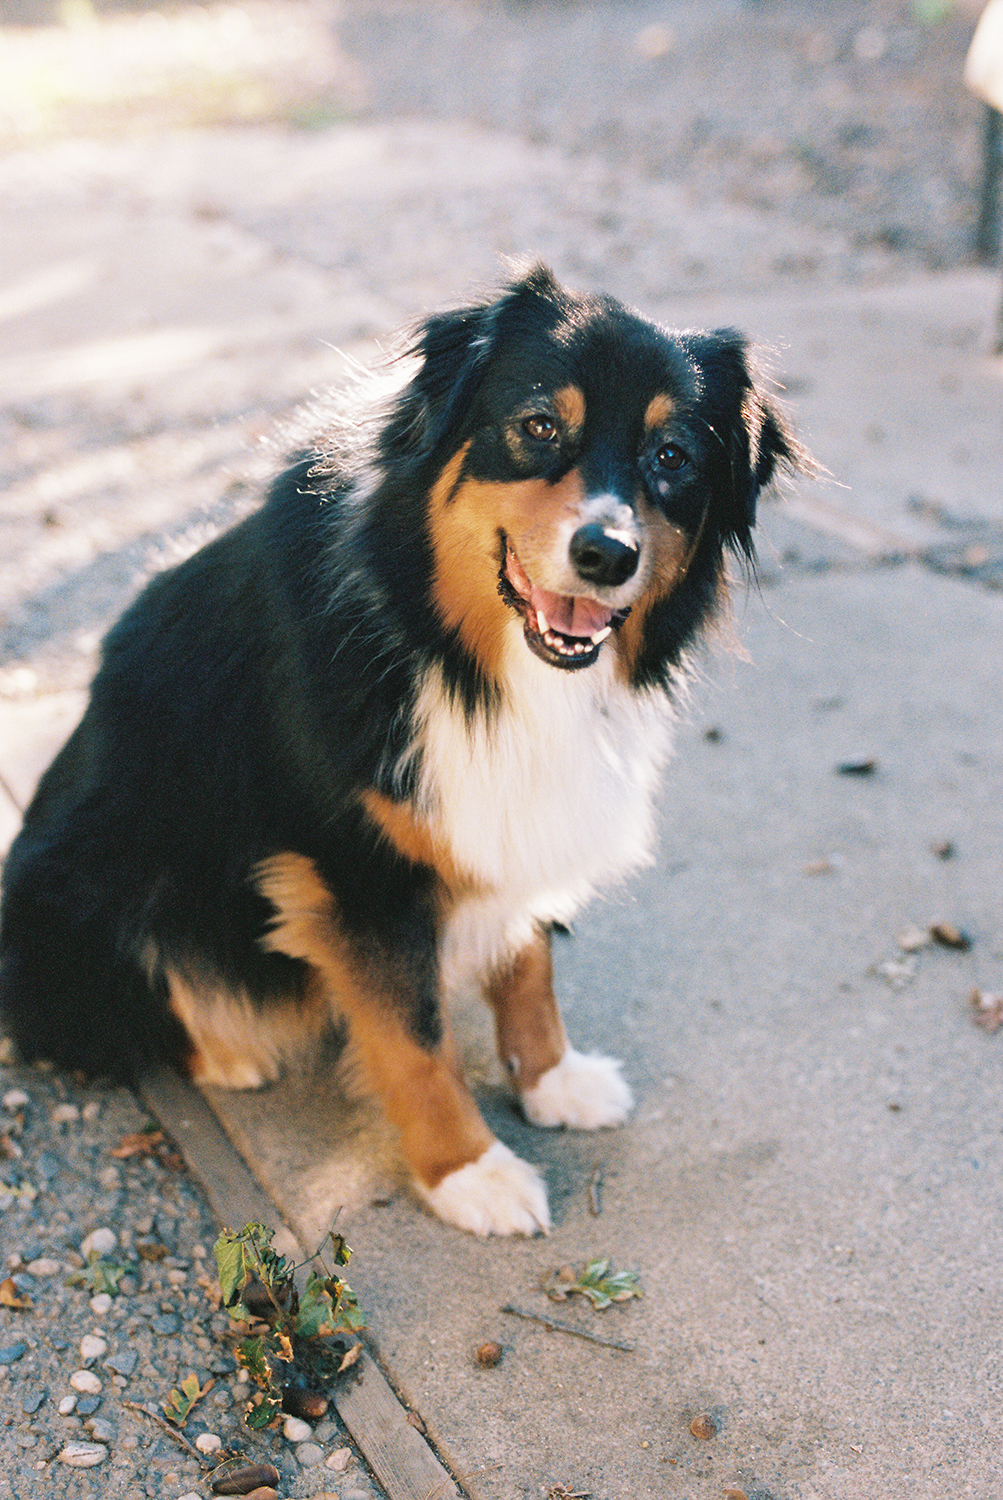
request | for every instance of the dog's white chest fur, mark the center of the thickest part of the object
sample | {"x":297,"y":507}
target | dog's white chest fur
{"x":542,"y":802}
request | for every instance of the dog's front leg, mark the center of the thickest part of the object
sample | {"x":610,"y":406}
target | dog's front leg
{"x":556,"y":1084}
{"x":457,"y":1166}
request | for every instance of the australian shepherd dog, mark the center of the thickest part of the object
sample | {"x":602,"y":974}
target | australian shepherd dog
{"x":369,"y":745}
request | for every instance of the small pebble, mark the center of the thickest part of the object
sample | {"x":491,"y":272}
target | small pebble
{"x":92,"y":1346}
{"x":166,"y":1324}
{"x":83,"y":1455}
{"x":123,"y":1362}
{"x":309,"y":1455}
{"x":339,"y":1460}
{"x":11,"y":1353}
{"x":100,"y":1304}
{"x":310,"y":1405}
{"x":263,"y":1492}
{"x":65,"y":1114}
{"x":99,"y":1242}
{"x":100,"y":1430}
{"x":191,"y":1495}
{"x":44,"y":1266}
{"x":88,"y":1405}
{"x":703,"y":1427}
{"x":208,"y":1442}
{"x":132,"y":1441}
{"x":85,"y":1381}
{"x":488,"y":1354}
{"x":66,"y":1405}
{"x":91,"y":1109}
{"x":31,"y":1401}
{"x":948,"y":936}
{"x":295,"y":1430}
{"x":15,"y":1099}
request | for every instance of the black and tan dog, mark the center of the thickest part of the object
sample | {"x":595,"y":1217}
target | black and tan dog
{"x":369,"y":743}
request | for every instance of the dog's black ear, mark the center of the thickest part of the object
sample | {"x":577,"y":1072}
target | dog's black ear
{"x":753,"y":432}
{"x":454,"y":349}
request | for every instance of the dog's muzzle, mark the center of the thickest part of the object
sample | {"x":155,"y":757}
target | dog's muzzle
{"x":568,"y":630}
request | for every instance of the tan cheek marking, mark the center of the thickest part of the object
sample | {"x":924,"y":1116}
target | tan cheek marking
{"x":671,"y":553}
{"x":528,"y":1026}
{"x":658,"y":412}
{"x":440,"y":1126}
{"x":464,"y":530}
{"x":465,"y":522}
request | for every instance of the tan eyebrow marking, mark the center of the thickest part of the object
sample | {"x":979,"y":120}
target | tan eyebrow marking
{"x":569,"y":404}
{"x":658,"y":412}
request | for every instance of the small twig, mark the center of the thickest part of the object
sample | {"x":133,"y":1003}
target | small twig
{"x":595,"y":1201}
{"x":578,"y":1333}
{"x":171,"y":1431}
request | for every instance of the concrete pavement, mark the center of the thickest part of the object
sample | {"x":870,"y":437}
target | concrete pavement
{"x":812,"y":1183}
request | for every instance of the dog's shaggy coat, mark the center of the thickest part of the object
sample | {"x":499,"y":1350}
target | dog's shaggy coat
{"x":368,"y":744}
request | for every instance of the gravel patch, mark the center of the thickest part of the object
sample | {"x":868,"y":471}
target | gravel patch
{"x":72,"y":1358}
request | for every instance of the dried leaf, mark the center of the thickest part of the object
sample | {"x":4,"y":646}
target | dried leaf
{"x":11,"y":1297}
{"x":139,"y":1143}
{"x":179,"y":1404}
{"x":9,"y":1148}
{"x":595,"y":1281}
{"x":350,"y":1357}
{"x":99,"y":1275}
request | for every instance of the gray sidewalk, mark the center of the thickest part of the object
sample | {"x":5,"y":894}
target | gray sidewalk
{"x":811,"y":1186}
{"x":812,"y":1183}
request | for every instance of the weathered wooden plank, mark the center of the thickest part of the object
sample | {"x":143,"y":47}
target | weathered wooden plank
{"x":236,"y":1196}
{"x":396,"y":1452}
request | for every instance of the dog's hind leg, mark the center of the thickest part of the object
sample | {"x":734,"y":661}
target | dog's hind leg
{"x":458,"y":1168}
{"x":556,"y":1084}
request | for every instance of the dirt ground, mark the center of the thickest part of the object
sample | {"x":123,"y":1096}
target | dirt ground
{"x":851,"y":119}
{"x":184,"y":184}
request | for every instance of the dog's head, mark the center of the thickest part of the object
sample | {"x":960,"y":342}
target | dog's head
{"x":585,"y":469}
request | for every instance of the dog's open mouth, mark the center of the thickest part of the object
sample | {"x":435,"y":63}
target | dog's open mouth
{"x":565,"y":630}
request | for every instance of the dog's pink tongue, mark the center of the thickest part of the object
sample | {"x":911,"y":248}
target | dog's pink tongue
{"x":564,"y":612}
{"x":570,"y":614}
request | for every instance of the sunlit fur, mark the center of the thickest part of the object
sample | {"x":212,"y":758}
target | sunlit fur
{"x":362,"y":750}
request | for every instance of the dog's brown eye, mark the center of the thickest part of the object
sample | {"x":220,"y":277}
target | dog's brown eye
{"x":670,"y":457}
{"x":541,"y":428}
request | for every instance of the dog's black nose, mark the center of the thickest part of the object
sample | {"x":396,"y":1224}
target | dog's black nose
{"x":604,"y":555}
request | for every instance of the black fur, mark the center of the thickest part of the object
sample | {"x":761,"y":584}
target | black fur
{"x":249,"y":694}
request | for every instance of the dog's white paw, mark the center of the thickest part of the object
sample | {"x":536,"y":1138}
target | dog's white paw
{"x":496,"y":1194}
{"x":583,"y":1091}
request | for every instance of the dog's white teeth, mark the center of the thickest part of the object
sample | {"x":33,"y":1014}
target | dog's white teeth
{"x":542,"y":623}
{"x":598,"y":636}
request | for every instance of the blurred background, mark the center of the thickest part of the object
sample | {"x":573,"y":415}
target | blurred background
{"x":850,"y":118}
{"x":211,"y":210}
